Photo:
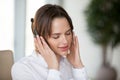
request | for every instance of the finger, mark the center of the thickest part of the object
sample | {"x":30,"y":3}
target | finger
{"x":39,"y":41}
{"x":35,"y":44}
{"x":39,"y":44}
{"x":72,"y":42}
{"x":74,"y":38}
{"x":76,"y":42}
{"x":46,"y":47}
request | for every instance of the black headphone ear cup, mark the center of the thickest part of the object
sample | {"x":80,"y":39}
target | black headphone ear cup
{"x":34,"y":30}
{"x":35,"y":33}
{"x":32,"y":20}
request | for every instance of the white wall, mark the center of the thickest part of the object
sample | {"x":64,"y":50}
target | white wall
{"x":6,"y":24}
{"x":90,"y":52}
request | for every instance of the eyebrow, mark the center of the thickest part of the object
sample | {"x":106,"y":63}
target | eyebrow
{"x":60,"y":33}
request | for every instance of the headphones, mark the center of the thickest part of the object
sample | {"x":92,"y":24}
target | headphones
{"x":34,"y":31}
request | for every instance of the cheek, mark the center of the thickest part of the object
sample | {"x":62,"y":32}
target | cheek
{"x":52,"y":44}
{"x":55,"y":43}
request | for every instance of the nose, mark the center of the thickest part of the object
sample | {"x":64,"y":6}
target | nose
{"x":64,"y":40}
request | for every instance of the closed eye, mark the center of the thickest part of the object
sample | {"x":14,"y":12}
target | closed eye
{"x":69,"y":32}
{"x":55,"y":36}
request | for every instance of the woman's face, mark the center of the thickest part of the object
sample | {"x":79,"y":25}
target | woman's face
{"x":61,"y":36}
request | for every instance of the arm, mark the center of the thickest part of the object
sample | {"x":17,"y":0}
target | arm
{"x":45,"y":51}
{"x":50,"y":58}
{"x":79,"y":72}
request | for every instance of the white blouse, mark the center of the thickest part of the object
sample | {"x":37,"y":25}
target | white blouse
{"x":34,"y":67}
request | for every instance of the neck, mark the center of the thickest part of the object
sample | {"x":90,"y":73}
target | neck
{"x":58,"y":57}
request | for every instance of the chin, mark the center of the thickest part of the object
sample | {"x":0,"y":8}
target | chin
{"x":64,"y":53}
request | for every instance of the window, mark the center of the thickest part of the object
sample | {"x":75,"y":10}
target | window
{"x":6,"y":24}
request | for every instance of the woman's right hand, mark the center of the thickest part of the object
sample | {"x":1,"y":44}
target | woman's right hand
{"x":46,"y":52}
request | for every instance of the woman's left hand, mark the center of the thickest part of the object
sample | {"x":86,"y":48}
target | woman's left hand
{"x":74,"y":56}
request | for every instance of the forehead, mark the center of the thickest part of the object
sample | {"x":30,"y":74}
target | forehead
{"x":59,"y":25}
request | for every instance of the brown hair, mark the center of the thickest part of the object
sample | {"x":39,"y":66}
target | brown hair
{"x":44,"y":17}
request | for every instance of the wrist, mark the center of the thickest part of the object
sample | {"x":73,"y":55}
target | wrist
{"x":78,"y":65}
{"x":56,"y":67}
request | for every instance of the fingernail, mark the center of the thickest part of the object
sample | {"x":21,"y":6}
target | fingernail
{"x":41,"y":37}
{"x":37,"y":36}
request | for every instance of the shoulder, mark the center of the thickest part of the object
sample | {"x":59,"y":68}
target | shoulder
{"x":29,"y":63}
{"x":25,"y":68}
{"x":21,"y":65}
{"x":24,"y":61}
{"x":20,"y":71}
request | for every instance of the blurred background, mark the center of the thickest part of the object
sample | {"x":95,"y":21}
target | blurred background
{"x":16,"y":34}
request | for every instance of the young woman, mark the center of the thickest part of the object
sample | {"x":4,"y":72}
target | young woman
{"x":56,"y":54}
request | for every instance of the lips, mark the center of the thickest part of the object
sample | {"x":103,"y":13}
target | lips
{"x":64,"y":48}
